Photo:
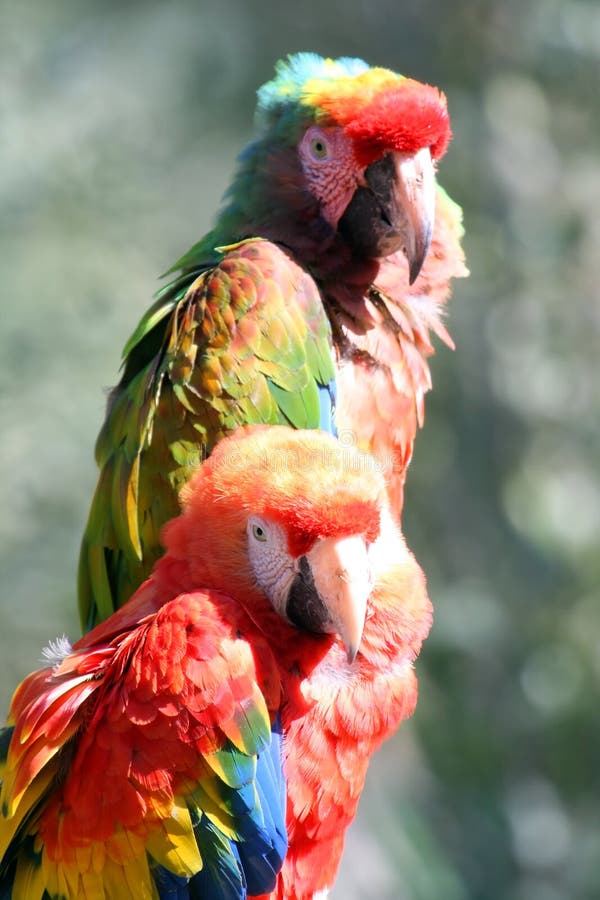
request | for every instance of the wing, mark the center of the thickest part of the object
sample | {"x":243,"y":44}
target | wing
{"x":148,"y":767}
{"x":246,"y":342}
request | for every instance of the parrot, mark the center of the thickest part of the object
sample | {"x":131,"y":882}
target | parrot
{"x":211,"y":738}
{"x":310,"y":303}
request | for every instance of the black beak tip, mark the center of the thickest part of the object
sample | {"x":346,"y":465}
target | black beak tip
{"x":417,"y":259}
{"x":414,"y":269}
{"x":415,"y":264}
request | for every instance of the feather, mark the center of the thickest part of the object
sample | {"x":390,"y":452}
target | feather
{"x":29,"y":883}
{"x":173,"y":844}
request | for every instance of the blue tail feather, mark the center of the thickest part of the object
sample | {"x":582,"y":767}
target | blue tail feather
{"x":262,"y":859}
{"x":234,"y":869}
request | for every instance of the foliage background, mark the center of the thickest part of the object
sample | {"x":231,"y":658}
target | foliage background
{"x":119,"y":125}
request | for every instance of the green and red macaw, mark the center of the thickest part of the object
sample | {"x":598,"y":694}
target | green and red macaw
{"x":310,"y":303}
{"x":146,"y":761}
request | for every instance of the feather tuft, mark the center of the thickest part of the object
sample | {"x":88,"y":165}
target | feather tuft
{"x":56,"y":651}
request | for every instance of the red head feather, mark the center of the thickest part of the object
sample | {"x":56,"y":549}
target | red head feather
{"x":305,"y":480}
{"x":380,"y":110}
{"x":406,"y":118}
{"x":402,"y":115}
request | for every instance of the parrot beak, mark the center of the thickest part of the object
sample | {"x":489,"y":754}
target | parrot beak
{"x":414,"y":200}
{"x":330,"y":592}
{"x":393,"y":209}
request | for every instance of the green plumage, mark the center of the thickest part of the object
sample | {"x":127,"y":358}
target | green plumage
{"x":239,"y":340}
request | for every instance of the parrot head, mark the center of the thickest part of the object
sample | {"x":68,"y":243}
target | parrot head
{"x":345,"y":159}
{"x":297,"y":515}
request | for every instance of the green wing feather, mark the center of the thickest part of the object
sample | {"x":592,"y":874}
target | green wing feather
{"x":242,"y":340}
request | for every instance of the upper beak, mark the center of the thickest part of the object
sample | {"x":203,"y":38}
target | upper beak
{"x":331,"y":590}
{"x":393,"y":209}
{"x":414,"y":200}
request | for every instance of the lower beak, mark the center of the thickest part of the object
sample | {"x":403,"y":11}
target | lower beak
{"x":331,"y":590}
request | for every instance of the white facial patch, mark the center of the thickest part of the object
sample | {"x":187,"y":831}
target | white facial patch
{"x":330,"y":169}
{"x":273,"y":566}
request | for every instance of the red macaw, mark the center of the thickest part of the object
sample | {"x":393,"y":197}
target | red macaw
{"x":146,"y":761}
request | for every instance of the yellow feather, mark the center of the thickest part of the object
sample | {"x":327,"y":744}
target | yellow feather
{"x":98,"y":857}
{"x":91,"y":887}
{"x":113,"y":880}
{"x":124,"y":847}
{"x":138,"y":880}
{"x":60,"y":887}
{"x":72,"y":878}
{"x":208,"y":798}
{"x":215,"y":812}
{"x":29,"y":883}
{"x":173,"y":844}
{"x":83,"y":858}
{"x":317,"y":90}
{"x":126,"y":872}
{"x":27,"y":800}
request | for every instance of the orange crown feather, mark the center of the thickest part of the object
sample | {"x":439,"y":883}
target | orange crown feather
{"x":316,"y":487}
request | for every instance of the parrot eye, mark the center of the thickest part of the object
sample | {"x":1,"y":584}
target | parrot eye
{"x":259,"y":533}
{"x":318,"y":148}
{"x":316,"y":145}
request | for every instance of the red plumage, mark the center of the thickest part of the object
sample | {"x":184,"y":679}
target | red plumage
{"x":405,"y":118}
{"x":132,"y":724}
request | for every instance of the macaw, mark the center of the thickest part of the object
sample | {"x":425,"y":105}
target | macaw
{"x":211,"y":738}
{"x":310,"y":303}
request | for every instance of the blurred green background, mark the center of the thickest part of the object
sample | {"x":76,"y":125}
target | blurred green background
{"x":119,"y":125}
